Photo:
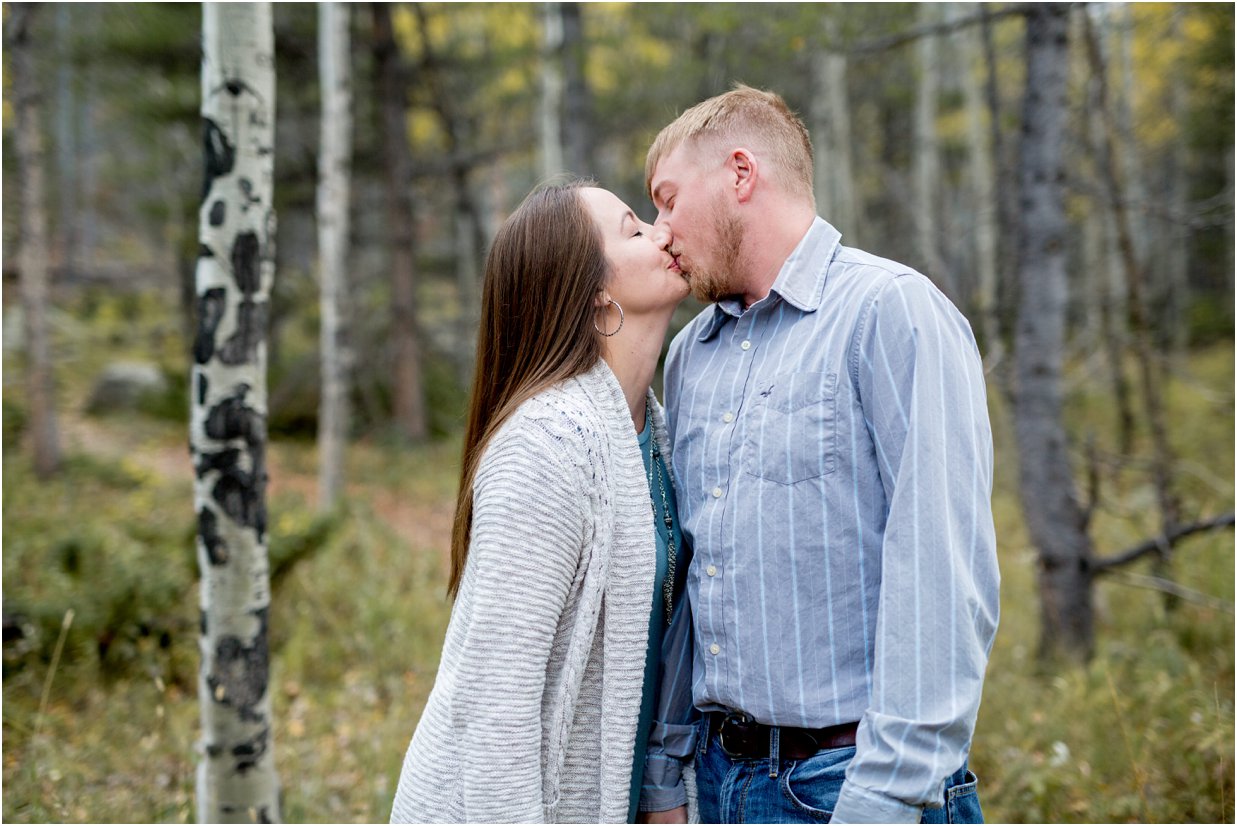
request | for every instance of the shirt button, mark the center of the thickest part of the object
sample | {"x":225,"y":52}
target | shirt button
{"x":715,"y":649}
{"x":746,"y":345}
{"x":727,"y":417}
{"x":711,"y":570}
{"x":717,"y":493}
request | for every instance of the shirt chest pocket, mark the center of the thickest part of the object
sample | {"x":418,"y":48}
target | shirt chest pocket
{"x":791,"y":428}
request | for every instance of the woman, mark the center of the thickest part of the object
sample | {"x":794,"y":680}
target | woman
{"x":536,"y":711}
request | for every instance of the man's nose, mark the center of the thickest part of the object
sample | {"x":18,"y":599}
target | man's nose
{"x":662,"y":235}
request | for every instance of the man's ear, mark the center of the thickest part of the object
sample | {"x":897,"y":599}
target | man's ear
{"x":744,"y":169}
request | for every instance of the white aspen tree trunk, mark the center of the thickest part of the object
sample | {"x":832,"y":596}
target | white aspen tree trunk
{"x":927,"y":168}
{"x":982,"y":181}
{"x":32,"y":256}
{"x":334,"y":161}
{"x":236,"y":779}
{"x":834,"y":176}
{"x":550,"y":118}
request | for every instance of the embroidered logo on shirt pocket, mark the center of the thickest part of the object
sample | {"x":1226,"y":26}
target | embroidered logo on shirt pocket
{"x":791,"y":433}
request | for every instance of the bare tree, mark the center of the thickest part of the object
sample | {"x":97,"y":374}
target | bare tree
{"x":408,"y":387}
{"x":982,"y":181}
{"x":830,"y":115}
{"x":33,"y":249}
{"x":334,"y":163}
{"x":1054,"y":517}
{"x":926,"y":155}
{"x":577,"y":100}
{"x":552,"y":155}
{"x":236,"y":780}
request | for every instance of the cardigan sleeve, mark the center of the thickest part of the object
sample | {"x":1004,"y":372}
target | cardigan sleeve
{"x":529,"y":526}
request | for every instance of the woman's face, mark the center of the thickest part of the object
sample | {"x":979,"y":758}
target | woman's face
{"x":644,"y":277}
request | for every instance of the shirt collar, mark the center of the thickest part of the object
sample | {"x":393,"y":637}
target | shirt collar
{"x":800,"y":282}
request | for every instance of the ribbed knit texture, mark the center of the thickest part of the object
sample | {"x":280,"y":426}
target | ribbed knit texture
{"x":533,"y":714}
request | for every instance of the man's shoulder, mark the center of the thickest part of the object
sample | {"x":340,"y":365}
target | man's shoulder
{"x":692,"y":329}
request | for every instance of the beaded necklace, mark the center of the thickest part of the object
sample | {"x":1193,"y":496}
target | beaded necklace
{"x":655,"y":469}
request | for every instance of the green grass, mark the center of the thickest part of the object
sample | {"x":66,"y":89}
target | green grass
{"x":1144,"y":733}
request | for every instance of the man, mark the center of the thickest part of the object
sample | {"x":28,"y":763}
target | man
{"x":833,"y":460}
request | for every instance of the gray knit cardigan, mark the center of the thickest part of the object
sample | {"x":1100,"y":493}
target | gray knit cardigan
{"x":533,"y":713}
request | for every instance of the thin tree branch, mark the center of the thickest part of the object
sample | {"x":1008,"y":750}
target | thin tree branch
{"x":1106,"y":565}
{"x":893,"y":41}
{"x":1167,"y":586}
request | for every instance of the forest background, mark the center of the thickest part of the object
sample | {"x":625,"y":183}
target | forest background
{"x":915,"y":111}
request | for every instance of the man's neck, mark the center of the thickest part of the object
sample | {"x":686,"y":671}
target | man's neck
{"x":767,"y":247}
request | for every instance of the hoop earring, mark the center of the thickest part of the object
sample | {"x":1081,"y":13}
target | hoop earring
{"x":621,"y":319}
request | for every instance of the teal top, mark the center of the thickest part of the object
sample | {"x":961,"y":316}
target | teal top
{"x":657,"y":619}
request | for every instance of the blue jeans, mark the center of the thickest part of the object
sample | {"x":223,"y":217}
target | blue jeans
{"x":799,"y":791}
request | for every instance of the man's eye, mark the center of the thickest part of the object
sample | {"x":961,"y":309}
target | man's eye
{"x":638,"y":234}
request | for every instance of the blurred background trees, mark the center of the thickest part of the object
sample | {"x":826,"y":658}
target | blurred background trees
{"x":1112,"y":339}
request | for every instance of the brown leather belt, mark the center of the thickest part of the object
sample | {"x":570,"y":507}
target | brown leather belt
{"x":744,"y":738}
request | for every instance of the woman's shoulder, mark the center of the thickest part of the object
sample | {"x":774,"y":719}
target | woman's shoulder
{"x":564,"y":421}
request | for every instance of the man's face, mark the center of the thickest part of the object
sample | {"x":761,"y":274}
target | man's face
{"x":691,"y":200}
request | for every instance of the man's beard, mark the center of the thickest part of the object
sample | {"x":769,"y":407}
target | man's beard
{"x":721,"y":280}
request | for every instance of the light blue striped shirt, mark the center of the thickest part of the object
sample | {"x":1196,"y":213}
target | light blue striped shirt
{"x":833,"y":460}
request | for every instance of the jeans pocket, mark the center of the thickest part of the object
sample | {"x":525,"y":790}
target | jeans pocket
{"x":962,"y":801}
{"x":812,"y":786}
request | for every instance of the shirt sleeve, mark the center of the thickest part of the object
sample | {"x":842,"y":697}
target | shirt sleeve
{"x":921,"y":387}
{"x":524,"y":552}
{"x":672,"y":738}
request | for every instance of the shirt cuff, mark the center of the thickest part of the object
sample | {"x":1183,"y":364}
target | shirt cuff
{"x":669,"y":747}
{"x":859,"y":805}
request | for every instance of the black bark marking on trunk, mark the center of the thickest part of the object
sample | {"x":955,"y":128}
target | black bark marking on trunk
{"x":203,"y":386}
{"x":203,"y":623}
{"x":208,"y":529}
{"x":238,"y":492}
{"x":242,"y":346}
{"x":220,"y":154}
{"x":246,"y":257}
{"x":218,"y":213}
{"x":249,"y":752}
{"x":240,"y":673}
{"x":246,"y":186}
{"x":211,"y":305}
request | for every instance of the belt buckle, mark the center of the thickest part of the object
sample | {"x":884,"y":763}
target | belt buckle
{"x":735,"y":719}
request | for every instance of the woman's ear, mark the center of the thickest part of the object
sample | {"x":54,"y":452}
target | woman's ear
{"x":601,"y":300}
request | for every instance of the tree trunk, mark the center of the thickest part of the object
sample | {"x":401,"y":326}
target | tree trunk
{"x":1054,"y":518}
{"x":577,"y":102}
{"x":1007,"y":200}
{"x":983,"y":184}
{"x":236,"y":780}
{"x":1162,"y":460}
{"x":334,"y":159}
{"x":834,"y":176}
{"x":408,"y":392}
{"x":66,"y":143}
{"x":32,"y":260}
{"x":927,"y":166}
{"x":551,"y":92}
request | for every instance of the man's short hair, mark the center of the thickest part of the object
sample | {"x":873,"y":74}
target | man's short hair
{"x":743,"y":115}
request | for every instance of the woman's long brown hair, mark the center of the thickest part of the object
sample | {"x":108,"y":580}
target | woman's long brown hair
{"x":543,"y":273}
